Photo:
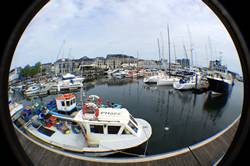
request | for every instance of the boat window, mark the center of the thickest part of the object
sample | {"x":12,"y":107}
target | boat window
{"x":74,"y":100}
{"x":113,"y":129}
{"x":63,"y":104}
{"x":132,"y":126}
{"x":126,"y":131}
{"x":96,"y":129}
{"x":71,"y":102}
{"x":67,"y":103}
{"x":131,"y":118}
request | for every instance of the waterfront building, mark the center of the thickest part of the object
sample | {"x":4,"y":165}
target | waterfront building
{"x":184,"y":62}
{"x":14,"y":74}
{"x":100,"y":62}
{"x":46,"y":68}
{"x":63,"y":66}
{"x":216,"y":65}
{"x":116,"y":60}
{"x":150,"y":64}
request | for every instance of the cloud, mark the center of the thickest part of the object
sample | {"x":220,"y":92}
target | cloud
{"x":100,"y":27}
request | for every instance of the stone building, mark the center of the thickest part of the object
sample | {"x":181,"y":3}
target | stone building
{"x":63,"y":66}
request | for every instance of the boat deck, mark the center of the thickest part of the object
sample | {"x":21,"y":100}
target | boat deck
{"x":207,"y":152}
{"x":72,"y":141}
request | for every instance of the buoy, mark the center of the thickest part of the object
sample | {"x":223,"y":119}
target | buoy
{"x":166,"y":128}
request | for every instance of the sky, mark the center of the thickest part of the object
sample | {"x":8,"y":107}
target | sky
{"x":95,"y":28}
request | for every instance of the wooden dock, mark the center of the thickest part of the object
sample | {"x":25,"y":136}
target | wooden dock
{"x":207,"y":152}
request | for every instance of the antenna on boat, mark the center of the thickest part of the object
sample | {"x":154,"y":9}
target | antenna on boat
{"x":169,"y":52}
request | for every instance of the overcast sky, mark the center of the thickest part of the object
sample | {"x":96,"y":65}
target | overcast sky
{"x":99,"y":27}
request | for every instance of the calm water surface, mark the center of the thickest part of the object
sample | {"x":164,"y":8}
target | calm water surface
{"x":178,"y":119}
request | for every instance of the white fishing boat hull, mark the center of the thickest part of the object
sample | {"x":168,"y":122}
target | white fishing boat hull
{"x":77,"y":142}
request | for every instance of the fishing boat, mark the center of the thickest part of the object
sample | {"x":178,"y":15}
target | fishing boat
{"x":95,"y":130}
{"x":70,"y":81}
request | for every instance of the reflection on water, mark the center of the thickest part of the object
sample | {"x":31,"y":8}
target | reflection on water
{"x":178,"y":119}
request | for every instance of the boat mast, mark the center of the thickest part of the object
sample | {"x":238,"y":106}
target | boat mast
{"x":185,"y":50}
{"x":159,"y":51}
{"x":191,"y":46}
{"x":169,"y":52}
{"x":174,"y":54}
{"x":137,"y":60}
{"x":162,"y":52}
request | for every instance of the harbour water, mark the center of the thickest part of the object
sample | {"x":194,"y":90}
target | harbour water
{"x":178,"y":118}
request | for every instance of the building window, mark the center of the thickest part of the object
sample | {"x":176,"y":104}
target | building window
{"x":113,"y":129}
{"x":96,"y":129}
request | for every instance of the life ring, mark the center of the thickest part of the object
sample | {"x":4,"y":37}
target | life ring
{"x":87,"y":107}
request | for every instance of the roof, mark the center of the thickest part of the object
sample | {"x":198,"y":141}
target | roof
{"x":106,"y":114}
{"x":113,"y":114}
{"x":65,"y":96}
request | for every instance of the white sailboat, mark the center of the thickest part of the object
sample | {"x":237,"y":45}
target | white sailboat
{"x":167,"y":79}
{"x":188,"y":83}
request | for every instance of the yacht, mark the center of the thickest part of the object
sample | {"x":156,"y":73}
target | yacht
{"x":70,"y":81}
{"x":32,"y":90}
{"x":188,"y":83}
{"x":167,"y":80}
{"x":153,"y":78}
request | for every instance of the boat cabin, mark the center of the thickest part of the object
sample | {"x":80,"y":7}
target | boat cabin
{"x":107,"y":124}
{"x":66,"y":102}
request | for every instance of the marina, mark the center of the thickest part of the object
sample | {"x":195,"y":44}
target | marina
{"x":125,"y":83}
{"x":178,"y":118}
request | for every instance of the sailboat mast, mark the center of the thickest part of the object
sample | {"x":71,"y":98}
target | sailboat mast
{"x":185,"y":50}
{"x":174,"y":54}
{"x":169,"y":53}
{"x":191,"y":46}
{"x":159,"y":50}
